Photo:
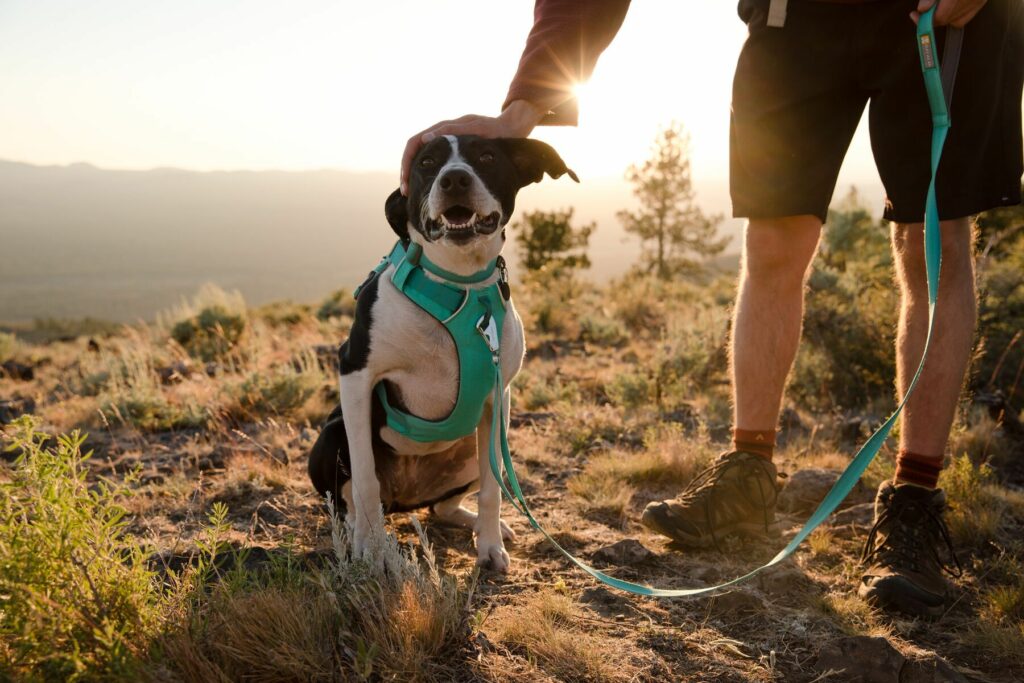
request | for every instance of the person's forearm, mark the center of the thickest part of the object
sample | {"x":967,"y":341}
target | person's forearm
{"x":562,"y":49}
{"x":521,"y":117}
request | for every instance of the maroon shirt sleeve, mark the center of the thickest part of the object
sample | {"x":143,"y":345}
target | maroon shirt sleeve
{"x":567,"y":38}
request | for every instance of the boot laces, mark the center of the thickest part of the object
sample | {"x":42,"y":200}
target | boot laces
{"x":914,"y":529}
{"x":704,"y":487}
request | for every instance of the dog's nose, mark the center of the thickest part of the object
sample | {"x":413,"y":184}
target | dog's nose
{"x":455,"y":180}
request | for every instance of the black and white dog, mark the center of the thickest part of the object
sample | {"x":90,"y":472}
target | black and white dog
{"x":461,"y":195}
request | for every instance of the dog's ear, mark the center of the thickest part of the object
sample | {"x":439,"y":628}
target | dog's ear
{"x":533,"y":158}
{"x":397,"y":212}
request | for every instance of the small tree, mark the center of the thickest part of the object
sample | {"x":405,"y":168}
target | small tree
{"x":548,"y":241}
{"x":675,"y":234}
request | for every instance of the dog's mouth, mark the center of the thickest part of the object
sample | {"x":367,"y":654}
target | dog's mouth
{"x":460,"y":223}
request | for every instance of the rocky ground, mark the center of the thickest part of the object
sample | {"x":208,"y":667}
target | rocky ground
{"x":592,"y":455}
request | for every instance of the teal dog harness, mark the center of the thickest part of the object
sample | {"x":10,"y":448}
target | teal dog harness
{"x":472,"y":315}
{"x":938,"y":101}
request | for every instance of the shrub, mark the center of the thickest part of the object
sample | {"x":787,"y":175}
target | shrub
{"x":1000,"y":361}
{"x":979,"y":507}
{"x":8,"y":346}
{"x":847,"y":358}
{"x":76,"y":597}
{"x":211,"y":334}
{"x":131,"y":393}
{"x":282,"y":313}
{"x":279,"y":391}
{"x":603,"y":331}
{"x":630,"y":390}
{"x":338,"y":304}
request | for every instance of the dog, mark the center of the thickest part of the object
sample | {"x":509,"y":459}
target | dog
{"x":462,"y":192}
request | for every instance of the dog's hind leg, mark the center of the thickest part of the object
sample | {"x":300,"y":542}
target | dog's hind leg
{"x":329,"y":464}
{"x":451,"y":511}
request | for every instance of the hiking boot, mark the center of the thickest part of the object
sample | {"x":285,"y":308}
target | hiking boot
{"x":902,"y":560}
{"x":735,"y":495}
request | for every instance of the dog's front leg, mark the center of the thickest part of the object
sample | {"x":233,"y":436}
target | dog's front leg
{"x":490,"y":549}
{"x":367,"y":519}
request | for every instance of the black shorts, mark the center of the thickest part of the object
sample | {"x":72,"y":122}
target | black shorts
{"x":800,"y":90}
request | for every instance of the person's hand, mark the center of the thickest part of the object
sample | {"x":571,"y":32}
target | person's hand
{"x":954,"y":13}
{"x":519,"y":118}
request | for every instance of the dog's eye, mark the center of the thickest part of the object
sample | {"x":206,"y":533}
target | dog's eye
{"x":426,"y":162}
{"x":486,"y":158}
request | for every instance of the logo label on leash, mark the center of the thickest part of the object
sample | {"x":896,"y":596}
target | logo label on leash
{"x":927,"y":52}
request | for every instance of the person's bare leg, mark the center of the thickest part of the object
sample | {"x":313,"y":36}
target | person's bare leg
{"x":743,"y":489}
{"x":908,"y":521}
{"x":768,"y":317}
{"x":929,"y":413}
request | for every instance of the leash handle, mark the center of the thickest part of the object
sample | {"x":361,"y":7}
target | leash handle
{"x":848,"y":479}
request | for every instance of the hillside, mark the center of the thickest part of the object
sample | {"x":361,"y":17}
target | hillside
{"x":79,"y":241}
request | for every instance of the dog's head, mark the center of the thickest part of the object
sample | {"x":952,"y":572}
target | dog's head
{"x":462,"y":190}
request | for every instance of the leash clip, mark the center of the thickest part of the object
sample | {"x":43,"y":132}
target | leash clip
{"x":488,"y":329}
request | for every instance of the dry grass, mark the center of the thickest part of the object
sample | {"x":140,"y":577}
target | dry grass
{"x":346,"y":620}
{"x":549,"y":629}
{"x":979,"y":507}
{"x":292,"y":612}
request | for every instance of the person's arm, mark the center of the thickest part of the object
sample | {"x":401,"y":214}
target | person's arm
{"x":562,"y":49}
{"x":563,"y":46}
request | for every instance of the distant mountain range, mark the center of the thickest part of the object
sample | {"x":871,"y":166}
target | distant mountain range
{"x":79,"y":241}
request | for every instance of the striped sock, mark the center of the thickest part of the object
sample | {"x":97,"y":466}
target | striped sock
{"x":917,"y":469}
{"x":751,"y":441}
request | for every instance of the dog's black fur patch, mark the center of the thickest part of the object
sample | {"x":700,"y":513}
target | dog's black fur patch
{"x":354,"y":353}
{"x":397,"y":212}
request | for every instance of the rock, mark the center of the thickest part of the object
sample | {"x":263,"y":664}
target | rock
{"x":603,"y":601}
{"x":861,"y":659}
{"x":790,"y":426}
{"x":784,"y":581}
{"x":525,"y":418}
{"x":856,"y":427}
{"x":174,"y":373}
{"x":270,"y":515}
{"x":737,"y":602}
{"x":214,"y":461}
{"x":13,"y":408}
{"x":17,"y":371}
{"x":930,"y":670}
{"x":805,"y":489}
{"x":862,"y":514}
{"x":628,"y":551}
{"x":685,"y":415}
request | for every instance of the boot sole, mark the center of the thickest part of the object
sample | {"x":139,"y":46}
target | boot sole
{"x":899,"y":601}
{"x":743,"y":529}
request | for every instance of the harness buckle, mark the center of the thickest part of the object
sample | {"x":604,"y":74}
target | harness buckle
{"x":488,"y":329}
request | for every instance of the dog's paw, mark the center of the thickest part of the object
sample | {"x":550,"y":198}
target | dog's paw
{"x":493,"y":556}
{"x":507,"y":534}
{"x":362,"y":538}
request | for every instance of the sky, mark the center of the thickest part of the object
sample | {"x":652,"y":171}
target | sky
{"x":261,"y":84}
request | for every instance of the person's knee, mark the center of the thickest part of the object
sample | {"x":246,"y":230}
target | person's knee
{"x":778,"y":251}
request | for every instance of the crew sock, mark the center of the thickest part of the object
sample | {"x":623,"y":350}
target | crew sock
{"x":917,"y":469}
{"x":751,"y":441}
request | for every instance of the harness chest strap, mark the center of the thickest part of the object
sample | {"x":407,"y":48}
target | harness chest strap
{"x":461,"y":308}
{"x":867,"y":453}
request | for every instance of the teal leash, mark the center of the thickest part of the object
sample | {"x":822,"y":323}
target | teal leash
{"x":933,"y":256}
